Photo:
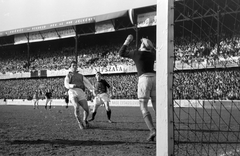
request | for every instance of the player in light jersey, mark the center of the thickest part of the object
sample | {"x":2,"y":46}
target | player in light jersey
{"x":101,"y":88}
{"x":75,"y":83}
{"x":144,"y":59}
{"x":35,"y":99}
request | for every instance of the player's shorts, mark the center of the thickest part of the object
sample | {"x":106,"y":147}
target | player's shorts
{"x":147,"y":86}
{"x":101,"y":99}
{"x":35,"y":100}
{"x":76,"y":92}
{"x":66,"y":99}
{"x":48,"y":100}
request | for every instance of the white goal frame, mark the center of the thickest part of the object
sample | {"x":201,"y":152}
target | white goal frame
{"x":164,"y":68}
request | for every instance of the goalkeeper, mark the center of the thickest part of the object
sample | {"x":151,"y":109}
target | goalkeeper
{"x":144,"y":58}
{"x":101,"y":97}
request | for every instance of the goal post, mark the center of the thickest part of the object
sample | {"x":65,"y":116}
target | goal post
{"x":198,"y":77}
{"x":164,"y":69}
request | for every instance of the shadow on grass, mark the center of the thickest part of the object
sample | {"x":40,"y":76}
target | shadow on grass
{"x":59,"y":142}
{"x":116,"y":128}
{"x":66,"y":142}
{"x":122,"y":129}
{"x":72,"y":142}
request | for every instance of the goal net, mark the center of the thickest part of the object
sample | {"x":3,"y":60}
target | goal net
{"x":206,"y":78}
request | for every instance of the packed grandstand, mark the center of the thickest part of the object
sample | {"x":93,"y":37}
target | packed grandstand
{"x":99,"y":52}
{"x":40,"y":59}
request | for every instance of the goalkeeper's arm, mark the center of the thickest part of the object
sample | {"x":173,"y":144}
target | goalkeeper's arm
{"x":128,"y":40}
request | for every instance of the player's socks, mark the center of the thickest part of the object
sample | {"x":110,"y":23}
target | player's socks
{"x":109,"y":115}
{"x":148,"y":120}
{"x":81,"y":126}
{"x":93,"y":116}
{"x":45,"y":107}
{"x":86,"y":123}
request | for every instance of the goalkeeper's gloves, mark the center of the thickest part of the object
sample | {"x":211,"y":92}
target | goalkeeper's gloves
{"x":128,"y":40}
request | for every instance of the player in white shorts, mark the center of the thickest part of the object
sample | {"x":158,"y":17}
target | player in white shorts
{"x":101,"y":88}
{"x":35,"y":99}
{"x":144,"y":59}
{"x":76,"y":83}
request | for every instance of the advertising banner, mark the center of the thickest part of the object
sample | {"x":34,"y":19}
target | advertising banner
{"x":229,"y":62}
{"x":19,"y":39}
{"x":92,"y":71}
{"x":105,"y":26}
{"x":147,"y":19}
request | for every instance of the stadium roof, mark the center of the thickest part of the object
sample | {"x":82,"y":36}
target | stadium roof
{"x":72,"y":22}
{"x":71,"y":13}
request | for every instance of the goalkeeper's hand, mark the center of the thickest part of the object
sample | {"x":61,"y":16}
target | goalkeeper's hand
{"x":128,"y":40}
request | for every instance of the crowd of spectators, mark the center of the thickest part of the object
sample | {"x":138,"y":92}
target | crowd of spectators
{"x":51,"y":57}
{"x":13,"y":59}
{"x":123,"y":86}
{"x":197,"y":49}
{"x":218,"y":84}
{"x":57,"y":57}
{"x":191,"y":84}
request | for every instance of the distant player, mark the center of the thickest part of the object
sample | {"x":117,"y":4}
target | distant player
{"x":66,"y":99}
{"x":35,"y":99}
{"x":101,"y":88}
{"x":48,"y":97}
{"x":76,"y":83}
{"x":5,"y":100}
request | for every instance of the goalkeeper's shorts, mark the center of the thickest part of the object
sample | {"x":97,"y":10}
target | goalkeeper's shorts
{"x":76,"y":93}
{"x":147,"y":86}
{"x":101,"y":99}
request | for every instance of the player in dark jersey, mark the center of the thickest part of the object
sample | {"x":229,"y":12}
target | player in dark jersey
{"x":48,"y":96}
{"x":144,"y":58}
{"x":66,"y":99}
{"x":101,"y":88}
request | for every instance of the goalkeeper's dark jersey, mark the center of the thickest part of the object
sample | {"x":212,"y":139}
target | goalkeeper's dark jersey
{"x":144,"y":60}
{"x":101,"y":86}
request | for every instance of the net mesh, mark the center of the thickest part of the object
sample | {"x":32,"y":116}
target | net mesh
{"x":206,"y":77}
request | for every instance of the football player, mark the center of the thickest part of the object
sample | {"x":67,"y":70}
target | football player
{"x":101,"y":89}
{"x":76,"y":83}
